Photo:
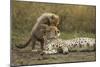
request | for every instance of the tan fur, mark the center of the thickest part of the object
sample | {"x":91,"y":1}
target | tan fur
{"x":46,"y":22}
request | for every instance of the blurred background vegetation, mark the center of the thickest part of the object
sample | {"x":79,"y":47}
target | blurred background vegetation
{"x":75,"y":20}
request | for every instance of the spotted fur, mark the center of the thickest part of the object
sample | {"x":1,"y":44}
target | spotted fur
{"x":63,"y":46}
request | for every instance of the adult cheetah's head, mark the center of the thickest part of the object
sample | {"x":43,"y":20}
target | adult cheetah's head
{"x":52,"y":32}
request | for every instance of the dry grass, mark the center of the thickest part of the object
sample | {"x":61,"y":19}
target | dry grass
{"x":30,"y":58}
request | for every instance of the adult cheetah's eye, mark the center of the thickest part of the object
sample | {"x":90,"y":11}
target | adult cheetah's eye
{"x":57,"y":31}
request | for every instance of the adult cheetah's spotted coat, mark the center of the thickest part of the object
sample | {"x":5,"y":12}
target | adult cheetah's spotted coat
{"x":60,"y":45}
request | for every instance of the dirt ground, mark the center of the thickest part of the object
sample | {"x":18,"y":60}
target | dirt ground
{"x":27,"y":57}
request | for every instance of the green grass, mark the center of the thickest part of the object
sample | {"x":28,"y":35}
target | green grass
{"x":67,"y":35}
